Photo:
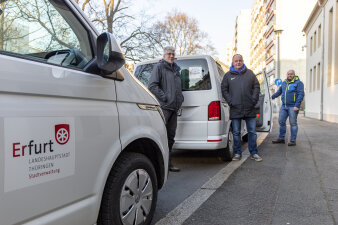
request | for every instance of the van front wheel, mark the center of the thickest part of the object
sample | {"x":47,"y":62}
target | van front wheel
{"x":226,"y":154}
{"x":130,"y":193}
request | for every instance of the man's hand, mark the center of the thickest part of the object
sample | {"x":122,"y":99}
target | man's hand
{"x":295,"y":109}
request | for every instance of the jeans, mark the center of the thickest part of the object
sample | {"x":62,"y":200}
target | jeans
{"x":252,"y":136}
{"x":284,"y":113}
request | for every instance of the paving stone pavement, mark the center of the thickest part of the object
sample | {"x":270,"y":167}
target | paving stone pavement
{"x":292,"y":185}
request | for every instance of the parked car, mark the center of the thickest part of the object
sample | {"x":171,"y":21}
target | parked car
{"x":82,"y":142}
{"x":203,"y":121}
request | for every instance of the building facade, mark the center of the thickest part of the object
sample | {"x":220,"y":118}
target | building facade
{"x":321,"y":31}
{"x":257,"y":40}
{"x":241,"y":37}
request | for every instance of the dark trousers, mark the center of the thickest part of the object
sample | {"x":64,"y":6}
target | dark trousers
{"x":171,"y":124}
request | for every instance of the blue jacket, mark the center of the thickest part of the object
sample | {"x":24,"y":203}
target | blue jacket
{"x":292,"y":92}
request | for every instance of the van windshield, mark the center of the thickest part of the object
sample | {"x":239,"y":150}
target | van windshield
{"x":195,"y":74}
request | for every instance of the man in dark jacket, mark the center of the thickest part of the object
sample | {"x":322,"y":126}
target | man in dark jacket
{"x":292,"y":91}
{"x":165,"y":84}
{"x":240,"y":88}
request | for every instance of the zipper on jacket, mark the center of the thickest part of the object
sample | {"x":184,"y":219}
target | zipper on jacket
{"x":287,"y":87}
{"x":294,"y":97}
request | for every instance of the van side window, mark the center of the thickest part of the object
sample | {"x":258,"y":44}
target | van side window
{"x":195,"y":74}
{"x":44,"y":31}
{"x":143,"y":73}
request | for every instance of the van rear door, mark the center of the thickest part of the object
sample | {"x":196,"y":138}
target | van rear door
{"x":264,"y":112}
{"x":192,"y":122}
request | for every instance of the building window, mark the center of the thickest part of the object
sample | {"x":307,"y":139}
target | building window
{"x":310,"y":83}
{"x":314,"y":79}
{"x":311,"y":44}
{"x":314,"y":41}
{"x":270,"y":52}
{"x":329,"y":69}
{"x":270,"y":66}
{"x":319,"y":35}
{"x":318,"y":77}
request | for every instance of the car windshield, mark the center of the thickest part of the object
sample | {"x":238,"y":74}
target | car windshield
{"x":195,"y":74}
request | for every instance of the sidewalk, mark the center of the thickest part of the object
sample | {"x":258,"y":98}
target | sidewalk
{"x":292,"y":185}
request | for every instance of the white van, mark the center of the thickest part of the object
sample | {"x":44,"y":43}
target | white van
{"x":82,"y":142}
{"x":203,"y":121}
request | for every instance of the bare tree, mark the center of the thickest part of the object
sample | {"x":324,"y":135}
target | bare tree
{"x":132,"y":31}
{"x":8,"y":30}
{"x":182,"y":32}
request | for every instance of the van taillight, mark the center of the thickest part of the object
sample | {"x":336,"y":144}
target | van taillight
{"x":214,"y":111}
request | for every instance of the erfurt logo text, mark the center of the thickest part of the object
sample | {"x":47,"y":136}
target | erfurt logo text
{"x":62,"y":135}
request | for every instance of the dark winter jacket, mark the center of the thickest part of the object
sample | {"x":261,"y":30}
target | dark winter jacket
{"x":292,"y":92}
{"x":241,"y":91}
{"x":165,"y":84}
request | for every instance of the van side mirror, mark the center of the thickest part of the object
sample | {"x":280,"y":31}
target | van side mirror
{"x":109,"y":54}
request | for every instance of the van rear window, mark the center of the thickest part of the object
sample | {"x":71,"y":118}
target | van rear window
{"x":194,"y":74}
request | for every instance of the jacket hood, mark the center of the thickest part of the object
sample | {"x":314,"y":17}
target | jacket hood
{"x":232,"y":69}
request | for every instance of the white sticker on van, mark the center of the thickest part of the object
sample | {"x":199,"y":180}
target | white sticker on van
{"x":38,"y":150}
{"x":195,"y":72}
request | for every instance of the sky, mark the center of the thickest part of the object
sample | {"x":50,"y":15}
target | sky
{"x":216,"y":17}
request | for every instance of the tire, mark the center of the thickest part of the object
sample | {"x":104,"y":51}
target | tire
{"x":226,"y":154}
{"x":245,"y":137}
{"x":130,"y":193}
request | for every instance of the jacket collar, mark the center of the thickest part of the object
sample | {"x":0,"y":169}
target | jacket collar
{"x":296,"y":78}
{"x":232,"y":69}
{"x":174,"y":66}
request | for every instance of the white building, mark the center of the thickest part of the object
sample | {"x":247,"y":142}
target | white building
{"x":229,"y":53}
{"x":322,"y":61}
{"x":242,"y":35}
{"x":290,"y":16}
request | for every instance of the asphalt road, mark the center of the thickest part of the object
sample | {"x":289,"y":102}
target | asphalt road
{"x":197,"y":167}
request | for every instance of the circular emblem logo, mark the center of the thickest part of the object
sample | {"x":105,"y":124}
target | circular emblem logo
{"x":62,"y":133}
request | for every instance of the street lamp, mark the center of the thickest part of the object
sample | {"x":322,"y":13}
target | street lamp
{"x":278,"y":32}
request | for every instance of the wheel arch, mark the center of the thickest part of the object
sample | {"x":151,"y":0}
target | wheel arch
{"x":150,"y":149}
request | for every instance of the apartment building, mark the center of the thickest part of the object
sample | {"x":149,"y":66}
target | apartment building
{"x":242,"y":37}
{"x":321,"y":31}
{"x":257,"y":39}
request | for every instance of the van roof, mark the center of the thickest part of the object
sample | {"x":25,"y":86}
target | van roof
{"x":178,"y":58}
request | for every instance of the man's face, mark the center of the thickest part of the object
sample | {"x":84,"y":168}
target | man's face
{"x":169,"y":56}
{"x":237,"y":62}
{"x":290,"y":75}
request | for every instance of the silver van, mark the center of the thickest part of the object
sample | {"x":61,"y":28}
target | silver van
{"x":82,"y":142}
{"x":203,"y":121}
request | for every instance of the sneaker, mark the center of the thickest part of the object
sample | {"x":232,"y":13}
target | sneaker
{"x":237,"y":157}
{"x":292,"y":143}
{"x":256,"y":157}
{"x":174,"y":169}
{"x":278,"y":141}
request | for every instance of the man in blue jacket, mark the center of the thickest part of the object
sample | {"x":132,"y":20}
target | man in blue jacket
{"x":292,"y":91}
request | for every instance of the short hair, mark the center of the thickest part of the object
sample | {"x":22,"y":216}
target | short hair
{"x":168,"y":48}
{"x":291,"y":71}
{"x":237,"y":55}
